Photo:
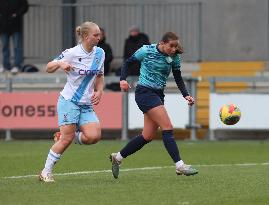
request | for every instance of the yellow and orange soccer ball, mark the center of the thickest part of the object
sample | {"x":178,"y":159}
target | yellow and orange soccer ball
{"x":229,"y":114}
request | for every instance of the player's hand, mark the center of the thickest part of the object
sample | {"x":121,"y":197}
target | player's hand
{"x":124,"y":86}
{"x":66,"y":67}
{"x":190,"y":100}
{"x":96,"y":97}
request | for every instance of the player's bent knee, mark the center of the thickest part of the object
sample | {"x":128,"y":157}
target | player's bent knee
{"x":93,"y":139}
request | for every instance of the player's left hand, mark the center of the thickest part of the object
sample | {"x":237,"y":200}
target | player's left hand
{"x":96,"y":97}
{"x":190,"y":100}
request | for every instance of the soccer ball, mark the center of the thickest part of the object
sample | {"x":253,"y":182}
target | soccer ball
{"x":229,"y":114}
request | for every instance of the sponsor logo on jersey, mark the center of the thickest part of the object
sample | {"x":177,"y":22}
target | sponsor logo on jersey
{"x":88,"y":72}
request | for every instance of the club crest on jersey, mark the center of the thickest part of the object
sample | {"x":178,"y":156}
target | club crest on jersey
{"x":168,"y":59}
{"x":97,"y":60}
{"x":65,"y":118}
{"x":60,"y":57}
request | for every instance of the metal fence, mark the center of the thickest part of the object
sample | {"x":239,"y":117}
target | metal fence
{"x":257,"y":84}
{"x":47,"y":25}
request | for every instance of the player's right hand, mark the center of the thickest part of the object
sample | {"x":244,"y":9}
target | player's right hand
{"x":124,"y":86}
{"x":66,"y":67}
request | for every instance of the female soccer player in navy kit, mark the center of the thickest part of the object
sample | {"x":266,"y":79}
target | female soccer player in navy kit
{"x":157,"y":61}
{"x":84,"y":66}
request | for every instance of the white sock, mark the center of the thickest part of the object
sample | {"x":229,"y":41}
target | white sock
{"x":119,"y":157}
{"x":77,"y":138}
{"x":51,"y":161}
{"x":179,"y":164}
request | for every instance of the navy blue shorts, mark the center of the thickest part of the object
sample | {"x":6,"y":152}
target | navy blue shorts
{"x":147,"y":98}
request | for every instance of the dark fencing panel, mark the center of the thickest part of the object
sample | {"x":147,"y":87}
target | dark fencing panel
{"x":44,"y":23}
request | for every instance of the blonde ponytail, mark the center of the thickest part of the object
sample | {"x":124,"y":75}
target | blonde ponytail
{"x":84,"y":29}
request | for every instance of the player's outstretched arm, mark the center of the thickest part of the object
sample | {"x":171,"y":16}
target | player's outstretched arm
{"x":52,"y":66}
{"x":180,"y":83}
{"x":181,"y":86}
{"x":124,"y":73}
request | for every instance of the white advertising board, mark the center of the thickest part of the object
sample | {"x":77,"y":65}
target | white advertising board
{"x":254,"y":111}
{"x":175,"y":104}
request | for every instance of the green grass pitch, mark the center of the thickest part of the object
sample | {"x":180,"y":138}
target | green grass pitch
{"x":231,"y":173}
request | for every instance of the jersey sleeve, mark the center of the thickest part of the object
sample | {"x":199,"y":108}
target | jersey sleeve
{"x":141,"y":53}
{"x":64,"y":56}
{"x":176,"y":63}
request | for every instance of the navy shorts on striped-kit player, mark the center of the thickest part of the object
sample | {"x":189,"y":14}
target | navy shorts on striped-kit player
{"x":147,"y":98}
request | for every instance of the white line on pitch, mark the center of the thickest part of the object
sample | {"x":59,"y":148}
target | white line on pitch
{"x":140,"y":169}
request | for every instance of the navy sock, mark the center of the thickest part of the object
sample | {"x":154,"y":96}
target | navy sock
{"x":170,"y":145}
{"x":133,"y":145}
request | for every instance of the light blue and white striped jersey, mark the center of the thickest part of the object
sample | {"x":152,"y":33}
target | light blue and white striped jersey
{"x":155,"y":66}
{"x":80,"y":81}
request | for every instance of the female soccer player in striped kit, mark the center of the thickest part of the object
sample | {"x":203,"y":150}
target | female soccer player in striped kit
{"x":157,"y":61}
{"x":84,"y":66}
